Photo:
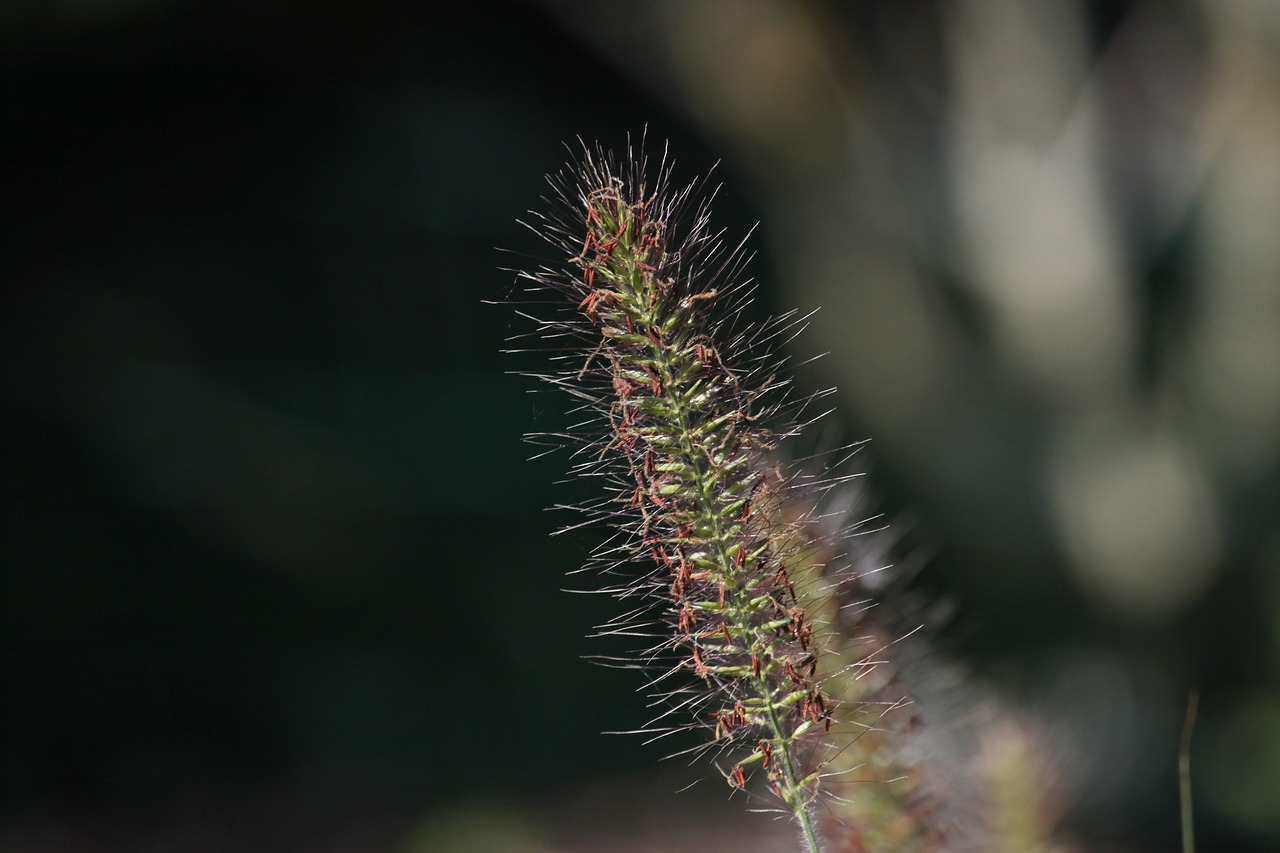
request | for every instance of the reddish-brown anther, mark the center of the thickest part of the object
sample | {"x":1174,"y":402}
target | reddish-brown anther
{"x":699,"y":666}
{"x":590,"y":305}
{"x":790,"y":670}
{"x":654,"y":380}
{"x":622,"y":387}
{"x":686,"y":569}
{"x":782,"y":578}
{"x":738,"y":777}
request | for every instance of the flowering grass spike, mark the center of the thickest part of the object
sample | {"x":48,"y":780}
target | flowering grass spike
{"x":736,"y":568}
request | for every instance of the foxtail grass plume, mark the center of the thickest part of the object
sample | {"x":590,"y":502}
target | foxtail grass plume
{"x":737,"y":568}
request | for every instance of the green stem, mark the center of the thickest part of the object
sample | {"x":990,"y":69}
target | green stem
{"x":1184,"y":773}
{"x":796,"y":800}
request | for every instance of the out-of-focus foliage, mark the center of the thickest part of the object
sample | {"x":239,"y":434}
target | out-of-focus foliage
{"x":1044,"y":240}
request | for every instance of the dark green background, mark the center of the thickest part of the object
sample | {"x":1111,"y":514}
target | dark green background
{"x":276,"y":571}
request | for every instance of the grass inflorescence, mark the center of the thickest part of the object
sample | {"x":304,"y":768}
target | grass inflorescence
{"x":735,"y":562}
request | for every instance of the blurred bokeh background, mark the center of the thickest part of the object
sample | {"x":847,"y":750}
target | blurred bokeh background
{"x":276,"y":574}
